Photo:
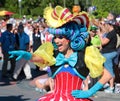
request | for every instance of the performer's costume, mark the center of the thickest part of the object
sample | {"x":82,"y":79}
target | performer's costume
{"x":68,"y":73}
{"x":67,"y":78}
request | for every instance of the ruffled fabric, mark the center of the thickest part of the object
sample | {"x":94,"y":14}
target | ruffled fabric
{"x":58,"y":16}
{"x":94,"y":61}
{"x":46,"y":52}
{"x":54,"y":16}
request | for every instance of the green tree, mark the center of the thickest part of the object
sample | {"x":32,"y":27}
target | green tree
{"x":36,"y":7}
{"x":105,"y":6}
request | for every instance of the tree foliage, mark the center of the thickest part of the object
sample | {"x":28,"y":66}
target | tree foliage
{"x":106,"y":6}
{"x":36,"y":7}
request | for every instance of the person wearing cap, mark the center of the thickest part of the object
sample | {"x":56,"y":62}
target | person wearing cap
{"x":8,"y":42}
{"x":94,"y":38}
{"x":109,"y":42}
{"x":68,"y":66}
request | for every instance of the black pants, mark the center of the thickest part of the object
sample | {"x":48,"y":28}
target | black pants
{"x":5,"y":64}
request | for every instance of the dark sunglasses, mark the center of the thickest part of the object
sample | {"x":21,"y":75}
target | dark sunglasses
{"x":59,"y":36}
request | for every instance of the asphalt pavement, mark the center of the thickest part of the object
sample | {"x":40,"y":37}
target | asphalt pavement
{"x":25,"y":90}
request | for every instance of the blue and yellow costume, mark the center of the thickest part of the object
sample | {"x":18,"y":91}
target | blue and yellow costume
{"x":68,"y":73}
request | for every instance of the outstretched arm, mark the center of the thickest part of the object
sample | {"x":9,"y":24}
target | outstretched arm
{"x":88,"y":93}
{"x":26,"y":55}
{"x":36,"y":58}
{"x":105,"y":77}
{"x":20,"y":54}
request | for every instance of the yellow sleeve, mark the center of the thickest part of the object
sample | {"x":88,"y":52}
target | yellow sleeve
{"x":46,"y":52}
{"x":94,"y":61}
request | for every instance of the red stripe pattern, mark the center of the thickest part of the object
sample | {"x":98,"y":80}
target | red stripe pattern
{"x":82,"y":19}
{"x":64,"y":84}
{"x":54,"y":15}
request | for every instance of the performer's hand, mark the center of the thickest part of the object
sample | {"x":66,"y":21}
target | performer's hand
{"x":81,"y":94}
{"x":20,"y":54}
{"x":87,"y":93}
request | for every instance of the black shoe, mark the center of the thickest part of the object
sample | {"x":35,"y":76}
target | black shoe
{"x":5,"y":76}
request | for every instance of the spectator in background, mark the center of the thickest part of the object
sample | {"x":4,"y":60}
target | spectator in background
{"x":42,"y":31}
{"x":15,"y":32}
{"x":24,"y":20}
{"x":112,"y":18}
{"x":28,"y":29}
{"x":44,"y":85}
{"x":94,"y":38}
{"x":117,"y":62}
{"x":118,"y":20}
{"x":109,"y":42}
{"x":23,"y":44}
{"x":7,"y":41}
{"x":37,"y":40}
{"x":3,"y":25}
{"x":48,"y":36}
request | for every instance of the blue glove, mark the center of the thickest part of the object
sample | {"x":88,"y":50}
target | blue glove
{"x":87,"y":93}
{"x":20,"y":54}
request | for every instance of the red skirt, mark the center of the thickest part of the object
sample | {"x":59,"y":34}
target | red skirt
{"x":64,"y":84}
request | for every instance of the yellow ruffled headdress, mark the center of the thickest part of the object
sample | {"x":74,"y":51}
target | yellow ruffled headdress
{"x":58,"y":16}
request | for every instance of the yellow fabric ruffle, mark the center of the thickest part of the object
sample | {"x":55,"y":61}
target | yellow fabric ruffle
{"x":46,"y":52}
{"x":94,"y":61}
{"x":51,"y":22}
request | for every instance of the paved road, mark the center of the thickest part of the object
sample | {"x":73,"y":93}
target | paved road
{"x":24,"y":91}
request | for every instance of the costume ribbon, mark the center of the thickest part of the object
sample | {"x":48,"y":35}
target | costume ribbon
{"x":60,"y":59}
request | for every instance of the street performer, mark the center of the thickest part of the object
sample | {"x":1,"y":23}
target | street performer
{"x":72,"y":61}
